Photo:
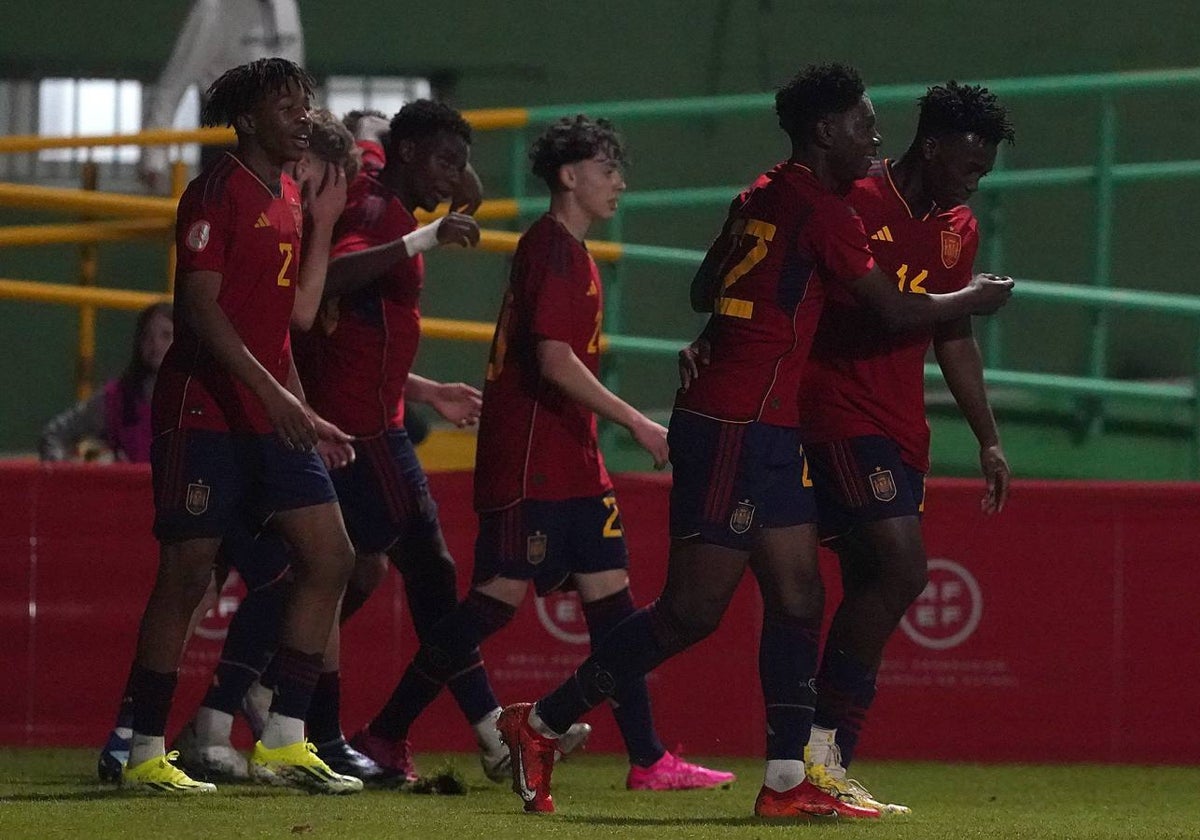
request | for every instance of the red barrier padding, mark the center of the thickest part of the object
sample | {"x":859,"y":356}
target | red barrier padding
{"x":1063,"y":629}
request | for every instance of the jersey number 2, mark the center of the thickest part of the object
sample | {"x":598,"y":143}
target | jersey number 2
{"x":285,"y":248}
{"x":612,"y":528}
{"x":760,"y":233}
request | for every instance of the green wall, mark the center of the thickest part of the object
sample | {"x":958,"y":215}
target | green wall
{"x":530,"y":53}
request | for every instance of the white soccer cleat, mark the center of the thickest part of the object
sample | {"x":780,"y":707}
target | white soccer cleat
{"x":211,"y":761}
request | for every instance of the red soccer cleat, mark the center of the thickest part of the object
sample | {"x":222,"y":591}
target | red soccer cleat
{"x":532,"y":757}
{"x":807,"y":800}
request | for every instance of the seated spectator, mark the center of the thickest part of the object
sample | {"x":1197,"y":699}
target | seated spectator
{"x":118,"y":415}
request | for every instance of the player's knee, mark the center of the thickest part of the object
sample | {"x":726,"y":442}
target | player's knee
{"x":370,"y":570}
{"x":907,"y":584}
{"x":678,"y":628}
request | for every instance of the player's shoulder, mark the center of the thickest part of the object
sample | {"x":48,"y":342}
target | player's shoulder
{"x":369,"y":203}
{"x":216,"y":183}
{"x":961,"y":219}
{"x":551,"y":247}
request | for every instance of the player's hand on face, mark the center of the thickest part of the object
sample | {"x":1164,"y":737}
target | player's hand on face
{"x":458,"y":403}
{"x":291,"y":420}
{"x":324,"y":193}
{"x":653,"y":438}
{"x":990,"y":292}
{"x":468,"y":192}
{"x":458,"y":229}
{"x":691,"y":359}
{"x":997,"y":475}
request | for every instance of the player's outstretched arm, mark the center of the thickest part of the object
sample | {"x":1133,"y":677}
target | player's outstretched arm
{"x":985,"y":294}
{"x":559,"y":364}
{"x":196,"y":299}
{"x":456,"y":402}
{"x":958,"y":356}
{"x":324,"y":199}
{"x":350,"y":272}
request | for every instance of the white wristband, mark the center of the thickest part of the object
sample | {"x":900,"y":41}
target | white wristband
{"x":423,"y":238}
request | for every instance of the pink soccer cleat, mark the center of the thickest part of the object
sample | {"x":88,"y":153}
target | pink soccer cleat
{"x":673,"y":773}
{"x":532,"y":756}
{"x":394,"y":759}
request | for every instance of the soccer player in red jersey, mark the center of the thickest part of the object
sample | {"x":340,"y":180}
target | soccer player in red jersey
{"x":741,"y":495}
{"x":863,"y":406}
{"x":233,"y":432}
{"x":547,"y":513}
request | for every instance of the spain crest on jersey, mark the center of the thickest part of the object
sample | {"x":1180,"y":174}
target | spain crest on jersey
{"x":742,"y":517}
{"x":196,"y":501}
{"x":535,"y":548}
{"x":883,"y":485}
{"x":951,"y":248}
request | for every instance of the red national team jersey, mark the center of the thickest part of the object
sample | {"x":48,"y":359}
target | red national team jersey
{"x":372,"y":334}
{"x":232,"y":223}
{"x":535,"y":442}
{"x":786,"y":239}
{"x":863,"y":379}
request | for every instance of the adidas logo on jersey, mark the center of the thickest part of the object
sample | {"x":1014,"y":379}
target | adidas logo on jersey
{"x":883,"y":235}
{"x":263,"y":221}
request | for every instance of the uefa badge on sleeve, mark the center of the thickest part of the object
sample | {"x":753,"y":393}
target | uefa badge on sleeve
{"x":197,"y":236}
{"x":196,"y":501}
{"x":951,"y":248}
{"x":535,"y":548}
{"x":883,"y":485}
{"x":742,"y":516}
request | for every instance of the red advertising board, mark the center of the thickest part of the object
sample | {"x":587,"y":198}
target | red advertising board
{"x":1058,"y":630}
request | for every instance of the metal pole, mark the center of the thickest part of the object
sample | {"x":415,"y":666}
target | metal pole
{"x":1102,"y":270}
{"x":993,"y":347}
{"x":611,"y":366}
{"x":179,"y":180}
{"x":85,"y":359}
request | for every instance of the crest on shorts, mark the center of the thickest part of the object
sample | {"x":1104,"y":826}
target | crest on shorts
{"x":196,"y":501}
{"x":742,"y":516}
{"x":883,"y":485}
{"x":197,"y":235}
{"x":535,"y":548}
{"x":951,"y":248}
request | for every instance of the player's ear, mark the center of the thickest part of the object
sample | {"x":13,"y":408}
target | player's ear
{"x":823,"y":132}
{"x":406,"y":150}
{"x":567,"y":176}
{"x":244,"y":123}
{"x":929,"y":147}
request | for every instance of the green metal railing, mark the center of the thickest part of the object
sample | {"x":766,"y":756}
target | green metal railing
{"x":1104,"y":176}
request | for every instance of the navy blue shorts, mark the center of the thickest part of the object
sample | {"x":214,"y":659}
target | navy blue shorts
{"x":863,"y":479}
{"x":548,"y":542}
{"x":384,"y":493}
{"x":730,"y":479}
{"x":204,"y":481}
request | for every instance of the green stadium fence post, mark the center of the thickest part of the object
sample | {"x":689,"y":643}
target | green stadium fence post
{"x":1102,"y":268}
{"x":613,"y":293}
{"x":1196,"y":405}
{"x":994,"y":211}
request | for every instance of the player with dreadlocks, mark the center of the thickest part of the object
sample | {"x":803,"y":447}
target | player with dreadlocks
{"x":233,"y":433}
{"x":864,"y":426}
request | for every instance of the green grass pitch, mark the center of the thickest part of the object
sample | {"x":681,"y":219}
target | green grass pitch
{"x":52,"y":793}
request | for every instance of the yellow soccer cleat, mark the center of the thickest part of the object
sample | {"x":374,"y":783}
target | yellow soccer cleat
{"x":297,"y":765}
{"x":830,"y":776}
{"x":159,"y":775}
